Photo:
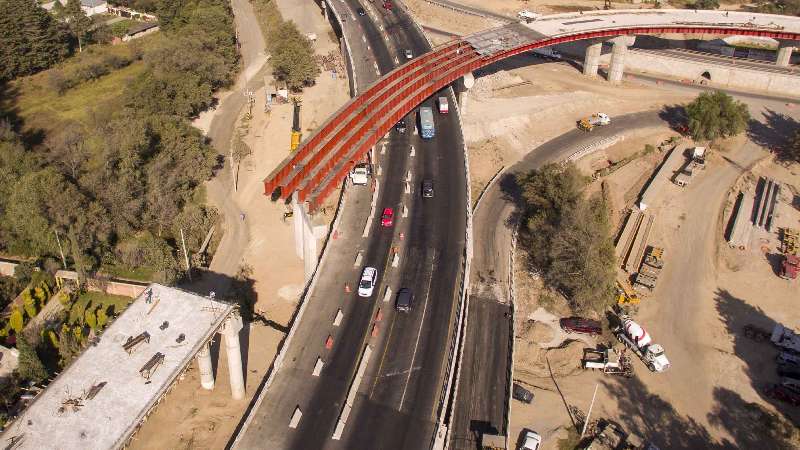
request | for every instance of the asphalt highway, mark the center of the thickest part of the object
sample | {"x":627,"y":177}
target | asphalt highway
{"x":398,"y":397}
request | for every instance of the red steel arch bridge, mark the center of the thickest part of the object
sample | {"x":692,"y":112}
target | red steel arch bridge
{"x":322,"y":161}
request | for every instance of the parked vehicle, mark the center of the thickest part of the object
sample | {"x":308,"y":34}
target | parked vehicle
{"x":528,"y":16}
{"x":427,"y":188}
{"x":581,"y":325}
{"x":400,"y":126}
{"x":595,"y":120}
{"x":532,"y":441}
{"x":360,"y":174}
{"x":387,"y":4}
{"x":783,"y":393}
{"x":387,"y":218}
{"x":547,"y":52}
{"x":366,"y":286}
{"x":404,"y":300}
{"x":409,"y":54}
{"x":361,"y":12}
{"x":520,"y":393}
{"x":637,"y":340}
{"x":426,"y":126}
{"x":443,"y":106}
{"x":607,"y":360}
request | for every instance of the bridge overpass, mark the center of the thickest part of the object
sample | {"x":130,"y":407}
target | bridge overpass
{"x":322,"y":161}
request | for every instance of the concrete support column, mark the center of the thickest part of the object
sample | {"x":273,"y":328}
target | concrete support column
{"x":230,"y":334}
{"x":617,"y":67}
{"x":591,"y":60}
{"x":785,"y":49}
{"x":309,"y":247}
{"x":206,"y":370}
{"x":297,"y":219}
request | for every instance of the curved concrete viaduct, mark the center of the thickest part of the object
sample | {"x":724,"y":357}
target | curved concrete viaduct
{"x":323,"y":160}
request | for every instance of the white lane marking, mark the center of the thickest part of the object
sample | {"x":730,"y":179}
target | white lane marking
{"x":377,"y":72}
{"x":364,"y":38}
{"x":396,"y":61}
{"x":419,"y":332}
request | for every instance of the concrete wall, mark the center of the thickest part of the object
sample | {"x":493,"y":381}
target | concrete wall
{"x":777,"y":83}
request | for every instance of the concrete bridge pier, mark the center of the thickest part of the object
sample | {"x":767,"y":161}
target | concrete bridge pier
{"x":617,"y":67}
{"x":591,"y":61}
{"x":305,"y":242}
{"x":204,"y":364}
{"x":230,"y":334}
{"x":785,"y":49}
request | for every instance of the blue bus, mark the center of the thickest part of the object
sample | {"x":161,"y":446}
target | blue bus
{"x":426,"y":127}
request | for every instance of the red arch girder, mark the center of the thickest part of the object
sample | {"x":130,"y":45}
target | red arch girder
{"x":380,"y":130}
{"x":353,"y":124}
{"x":335,"y":121}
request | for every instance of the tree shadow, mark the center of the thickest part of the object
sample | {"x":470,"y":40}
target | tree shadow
{"x":750,"y":424}
{"x":775,"y":132}
{"x":758,"y":357}
{"x":511,"y":191}
{"x":656,"y":420}
{"x":675,"y":116}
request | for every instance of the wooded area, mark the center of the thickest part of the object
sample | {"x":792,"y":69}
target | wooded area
{"x":116,"y":189}
{"x":568,"y":236}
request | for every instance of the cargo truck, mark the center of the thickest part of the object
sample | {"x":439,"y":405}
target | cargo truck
{"x":595,"y":120}
{"x":639,"y":341}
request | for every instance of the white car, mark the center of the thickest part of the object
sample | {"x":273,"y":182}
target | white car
{"x":532,"y":441}
{"x":367,"y":284}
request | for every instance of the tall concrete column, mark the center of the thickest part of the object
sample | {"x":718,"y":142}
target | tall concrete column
{"x":591,"y":60}
{"x":617,"y":67}
{"x":297,"y":219}
{"x":206,"y":370}
{"x":230,"y":334}
{"x":785,"y":49}
{"x":309,"y":247}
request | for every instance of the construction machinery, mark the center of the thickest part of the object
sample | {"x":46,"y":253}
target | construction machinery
{"x":608,"y":360}
{"x":296,"y":133}
{"x":639,"y":341}
{"x":626,"y":295}
{"x":595,"y":120}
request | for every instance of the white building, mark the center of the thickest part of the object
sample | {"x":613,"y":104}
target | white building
{"x":89,"y":7}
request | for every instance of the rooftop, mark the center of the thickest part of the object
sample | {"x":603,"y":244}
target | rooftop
{"x":101,"y":398}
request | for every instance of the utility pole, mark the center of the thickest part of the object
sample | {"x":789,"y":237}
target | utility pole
{"x":588,"y":414}
{"x":186,"y":256}
{"x":60,"y":249}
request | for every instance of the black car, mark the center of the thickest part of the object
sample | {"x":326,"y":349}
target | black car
{"x":361,"y":12}
{"x":405,"y":298}
{"x":400,"y":126}
{"x":427,"y":188}
{"x":521,"y":394}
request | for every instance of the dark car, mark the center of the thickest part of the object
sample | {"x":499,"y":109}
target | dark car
{"x":404,"y":300}
{"x":427,"y":188}
{"x":581,"y":325}
{"x":400,"y":126}
{"x":521,"y":394}
{"x":361,"y":12}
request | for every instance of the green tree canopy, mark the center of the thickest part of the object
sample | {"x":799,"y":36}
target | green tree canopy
{"x":789,"y":7}
{"x":706,"y":4}
{"x":568,"y":238}
{"x":293,"y":57}
{"x":714,"y":115}
{"x":76,"y":20}
{"x":30,"y":39}
{"x":30,"y":366}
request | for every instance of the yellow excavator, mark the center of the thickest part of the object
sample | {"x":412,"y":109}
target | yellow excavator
{"x":625,"y":294}
{"x":296,"y":133}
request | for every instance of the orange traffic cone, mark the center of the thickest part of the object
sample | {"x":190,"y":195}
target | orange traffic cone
{"x":347,"y":287}
{"x":329,"y":342}
{"x":374,"y":330}
{"x":379,"y":316}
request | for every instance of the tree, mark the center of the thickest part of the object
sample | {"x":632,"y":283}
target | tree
{"x":706,"y":4}
{"x":714,"y":115}
{"x":789,"y":7}
{"x":79,"y":25}
{"x":793,"y":149}
{"x":90,"y":319}
{"x":30,"y":39}
{"x":69,"y":346}
{"x":568,"y":238}
{"x":102,"y":318}
{"x":293,"y":57}
{"x":29,"y":304}
{"x":17,"y":321}
{"x":30,"y":367}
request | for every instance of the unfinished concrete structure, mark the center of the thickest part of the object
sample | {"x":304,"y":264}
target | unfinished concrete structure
{"x":102,"y":398}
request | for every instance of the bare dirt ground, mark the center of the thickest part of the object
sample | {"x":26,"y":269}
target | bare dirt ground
{"x":193,"y":418}
{"x":711,"y":398}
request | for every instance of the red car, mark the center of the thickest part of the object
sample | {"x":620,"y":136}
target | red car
{"x":580,"y":325}
{"x":387,"y":4}
{"x":387,"y":218}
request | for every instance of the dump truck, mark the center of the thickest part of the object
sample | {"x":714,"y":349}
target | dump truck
{"x":607,"y":360}
{"x":633,"y":336}
{"x":595,"y":120}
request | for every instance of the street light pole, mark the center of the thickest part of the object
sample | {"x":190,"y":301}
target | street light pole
{"x":588,"y":414}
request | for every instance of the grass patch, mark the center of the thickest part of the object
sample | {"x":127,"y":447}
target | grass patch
{"x":111,"y":303}
{"x":135,"y":273}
